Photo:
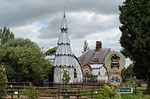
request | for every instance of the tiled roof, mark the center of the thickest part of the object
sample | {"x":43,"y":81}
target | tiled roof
{"x":93,"y":57}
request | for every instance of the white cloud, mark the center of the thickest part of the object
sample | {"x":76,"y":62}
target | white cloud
{"x":27,"y":31}
{"x":109,"y":39}
{"x":80,"y":24}
{"x":40,"y":20}
{"x":20,"y":12}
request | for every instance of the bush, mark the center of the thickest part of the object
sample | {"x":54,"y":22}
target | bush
{"x":2,"y":87}
{"x":131,"y":96}
{"x":3,"y":81}
{"x":106,"y":92}
{"x":31,"y":92}
{"x":134,"y":83}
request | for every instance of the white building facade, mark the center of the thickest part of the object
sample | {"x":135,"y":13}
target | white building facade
{"x":64,"y":58}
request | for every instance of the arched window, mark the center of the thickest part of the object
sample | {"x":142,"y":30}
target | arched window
{"x":75,"y":73}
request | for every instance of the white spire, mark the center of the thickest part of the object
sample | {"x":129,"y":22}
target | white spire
{"x":65,"y":58}
{"x":64,"y":23}
{"x":64,"y":55}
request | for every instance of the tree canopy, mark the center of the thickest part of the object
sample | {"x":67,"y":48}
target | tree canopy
{"x":135,"y":39}
{"x":20,"y":42}
{"x":127,"y":73}
{"x":5,"y":35}
{"x":51,"y":51}
{"x":24,"y":61}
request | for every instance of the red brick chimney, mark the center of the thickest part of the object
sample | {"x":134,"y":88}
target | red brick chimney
{"x":98,"y":45}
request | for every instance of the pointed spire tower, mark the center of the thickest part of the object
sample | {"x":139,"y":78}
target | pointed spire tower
{"x":64,"y":58}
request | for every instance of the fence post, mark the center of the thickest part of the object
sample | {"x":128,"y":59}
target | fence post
{"x":59,"y":92}
{"x":92,"y":90}
{"x":116,"y":94}
{"x":11,"y":89}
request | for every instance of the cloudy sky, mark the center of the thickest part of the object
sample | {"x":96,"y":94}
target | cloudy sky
{"x":40,"y":20}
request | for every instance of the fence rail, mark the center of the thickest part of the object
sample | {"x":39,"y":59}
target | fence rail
{"x":59,"y":91}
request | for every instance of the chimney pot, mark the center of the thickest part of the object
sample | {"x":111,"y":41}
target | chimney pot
{"x":98,"y":45}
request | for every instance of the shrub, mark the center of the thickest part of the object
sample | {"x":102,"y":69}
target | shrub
{"x":106,"y":92}
{"x":3,"y":80}
{"x":132,"y":83}
{"x":31,"y":92}
{"x":131,"y":96}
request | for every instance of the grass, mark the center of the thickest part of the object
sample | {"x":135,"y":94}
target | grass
{"x":141,"y":92}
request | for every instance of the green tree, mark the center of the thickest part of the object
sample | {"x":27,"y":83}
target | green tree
{"x":5,"y":35}
{"x":128,"y":72}
{"x":20,"y":42}
{"x":51,"y":51}
{"x":135,"y":39}
{"x":24,"y":61}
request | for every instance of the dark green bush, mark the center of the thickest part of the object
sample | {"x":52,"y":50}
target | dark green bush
{"x":31,"y":92}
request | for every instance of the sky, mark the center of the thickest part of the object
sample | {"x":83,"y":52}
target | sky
{"x":40,"y":21}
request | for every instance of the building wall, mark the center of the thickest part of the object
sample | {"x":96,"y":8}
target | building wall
{"x":58,"y":75}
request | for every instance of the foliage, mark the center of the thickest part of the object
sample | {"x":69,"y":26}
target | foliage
{"x":51,"y":51}
{"x":128,"y":73}
{"x":5,"y":35}
{"x":106,"y":93}
{"x":26,"y":64}
{"x":130,"y":96}
{"x":24,"y":61}
{"x":109,"y":93}
{"x":20,"y":42}
{"x":132,"y":83}
{"x":66,"y":77}
{"x":88,"y":75}
{"x":31,"y":92}
{"x":3,"y":81}
{"x":135,"y":39}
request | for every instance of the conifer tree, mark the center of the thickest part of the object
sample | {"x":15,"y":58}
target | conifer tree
{"x":135,"y":39}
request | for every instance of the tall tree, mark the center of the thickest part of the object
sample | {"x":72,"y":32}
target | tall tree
{"x":135,"y":39}
{"x":5,"y":35}
{"x":85,"y":47}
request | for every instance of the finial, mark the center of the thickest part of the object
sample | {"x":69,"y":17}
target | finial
{"x":64,"y":22}
{"x":64,"y":11}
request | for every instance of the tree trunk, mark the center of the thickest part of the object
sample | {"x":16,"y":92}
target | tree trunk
{"x":148,"y":83}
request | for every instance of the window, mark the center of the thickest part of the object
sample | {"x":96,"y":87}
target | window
{"x":75,"y":73}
